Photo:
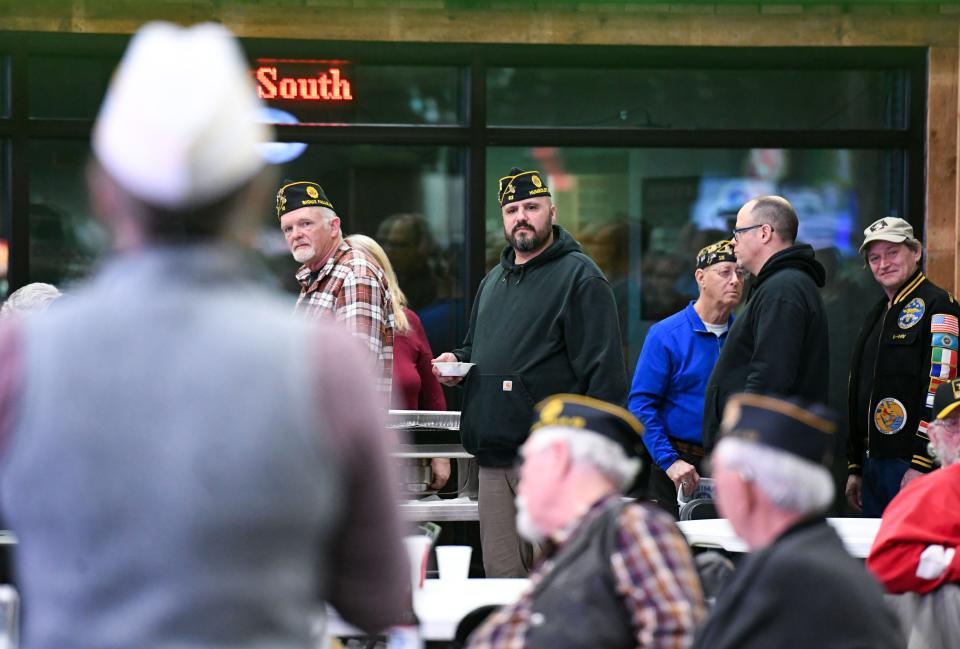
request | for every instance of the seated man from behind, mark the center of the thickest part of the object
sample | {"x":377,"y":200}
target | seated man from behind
{"x":613,"y":573}
{"x":916,"y":548}
{"x":799,"y":587}
{"x":35,"y":297}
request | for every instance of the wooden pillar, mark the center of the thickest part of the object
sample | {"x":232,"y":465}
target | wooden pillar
{"x":943,"y":182}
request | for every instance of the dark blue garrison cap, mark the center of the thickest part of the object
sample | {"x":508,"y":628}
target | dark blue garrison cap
{"x":790,"y":425}
{"x":594,"y":415}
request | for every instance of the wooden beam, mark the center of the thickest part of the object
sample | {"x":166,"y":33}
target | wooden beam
{"x":284,"y":19}
{"x":943,"y":146}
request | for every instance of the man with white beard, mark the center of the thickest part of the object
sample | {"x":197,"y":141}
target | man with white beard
{"x":337,"y":281}
{"x":612,"y":573}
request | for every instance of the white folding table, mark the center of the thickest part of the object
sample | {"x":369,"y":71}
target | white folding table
{"x":441,"y":605}
{"x":857,"y":534}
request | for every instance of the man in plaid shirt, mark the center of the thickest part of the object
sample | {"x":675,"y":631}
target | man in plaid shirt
{"x":337,"y":281}
{"x":613,"y":573}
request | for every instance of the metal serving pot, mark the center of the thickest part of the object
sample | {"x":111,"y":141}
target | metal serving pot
{"x":416,"y":474}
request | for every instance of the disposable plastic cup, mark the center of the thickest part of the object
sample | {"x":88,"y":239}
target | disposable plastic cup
{"x":453,"y":561}
{"x":418,"y":548}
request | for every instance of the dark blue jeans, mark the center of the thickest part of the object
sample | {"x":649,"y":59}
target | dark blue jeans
{"x":881,"y":482}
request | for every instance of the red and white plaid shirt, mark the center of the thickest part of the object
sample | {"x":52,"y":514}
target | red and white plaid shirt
{"x":351,"y":288}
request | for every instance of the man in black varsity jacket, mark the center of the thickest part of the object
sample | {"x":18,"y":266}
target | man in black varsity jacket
{"x":906,"y":348}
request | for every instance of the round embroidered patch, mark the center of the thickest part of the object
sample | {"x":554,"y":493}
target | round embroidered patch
{"x":911,"y":313}
{"x":890,"y":416}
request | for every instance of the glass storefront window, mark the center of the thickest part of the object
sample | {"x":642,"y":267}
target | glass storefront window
{"x":65,"y":239}
{"x":339,"y":92}
{"x":689,"y":99}
{"x":411,"y":200}
{"x":62,"y":87}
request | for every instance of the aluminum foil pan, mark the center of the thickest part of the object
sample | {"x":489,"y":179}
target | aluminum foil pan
{"x":423,"y":419}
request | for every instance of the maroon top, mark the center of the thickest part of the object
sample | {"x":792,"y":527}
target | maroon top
{"x":414,"y":385}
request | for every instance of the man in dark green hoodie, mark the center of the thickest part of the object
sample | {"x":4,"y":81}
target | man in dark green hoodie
{"x":779,"y":344}
{"x":544,"y":322}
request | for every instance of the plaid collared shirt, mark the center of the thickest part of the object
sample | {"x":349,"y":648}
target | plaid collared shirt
{"x":351,"y":288}
{"x":654,"y":576}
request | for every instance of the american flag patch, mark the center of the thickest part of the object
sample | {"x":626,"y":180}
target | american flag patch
{"x":943,"y":323}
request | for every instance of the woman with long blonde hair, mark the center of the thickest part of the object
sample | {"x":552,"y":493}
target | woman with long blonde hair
{"x":414,"y":385}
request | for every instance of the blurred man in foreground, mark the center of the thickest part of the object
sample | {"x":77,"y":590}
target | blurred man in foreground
{"x":613,"y":573}
{"x":35,"y":297}
{"x":177,"y":449}
{"x":915,"y":552}
{"x":916,"y":547}
{"x":799,"y":587}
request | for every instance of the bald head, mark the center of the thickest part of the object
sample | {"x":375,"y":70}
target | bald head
{"x":765,"y":226}
{"x":778,"y":212}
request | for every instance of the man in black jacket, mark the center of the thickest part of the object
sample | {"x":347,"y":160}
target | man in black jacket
{"x":799,"y":587}
{"x":544,"y":322}
{"x":906,"y":348}
{"x":779,"y":344}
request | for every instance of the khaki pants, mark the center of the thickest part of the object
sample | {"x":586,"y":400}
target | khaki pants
{"x":505,"y":554}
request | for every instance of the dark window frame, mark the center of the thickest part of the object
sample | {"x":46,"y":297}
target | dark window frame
{"x":475,"y":136}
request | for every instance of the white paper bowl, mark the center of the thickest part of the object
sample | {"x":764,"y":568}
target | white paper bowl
{"x":453,"y":369}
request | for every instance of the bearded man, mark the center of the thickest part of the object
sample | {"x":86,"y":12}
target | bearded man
{"x":544,"y":322}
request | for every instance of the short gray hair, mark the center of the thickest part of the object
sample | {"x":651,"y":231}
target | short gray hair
{"x":792,"y":483}
{"x":32,"y":297}
{"x":604,"y":455}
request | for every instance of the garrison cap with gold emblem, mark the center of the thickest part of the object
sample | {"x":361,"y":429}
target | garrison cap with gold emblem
{"x":715,"y":253}
{"x":947,"y":398}
{"x":520,"y":185}
{"x":591,"y":415}
{"x":294,"y":195}
{"x":790,"y":425}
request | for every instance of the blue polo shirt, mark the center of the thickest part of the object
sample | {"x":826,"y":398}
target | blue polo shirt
{"x":671,"y":377}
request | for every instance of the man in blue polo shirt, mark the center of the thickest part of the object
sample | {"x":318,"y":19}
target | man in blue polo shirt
{"x":671,"y":377}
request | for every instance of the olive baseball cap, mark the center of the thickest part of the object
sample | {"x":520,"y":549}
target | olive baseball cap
{"x":889,"y":228}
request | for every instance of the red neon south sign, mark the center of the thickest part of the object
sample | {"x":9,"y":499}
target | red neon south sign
{"x":325,"y":84}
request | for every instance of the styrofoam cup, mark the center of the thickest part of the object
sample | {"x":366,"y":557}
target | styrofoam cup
{"x":418,"y":548}
{"x":453,"y":561}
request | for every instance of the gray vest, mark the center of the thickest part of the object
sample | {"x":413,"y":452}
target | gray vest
{"x":167,"y":476}
{"x":577,"y":604}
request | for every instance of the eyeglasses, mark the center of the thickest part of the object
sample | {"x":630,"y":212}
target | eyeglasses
{"x":726,"y":274}
{"x":747,"y":228}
